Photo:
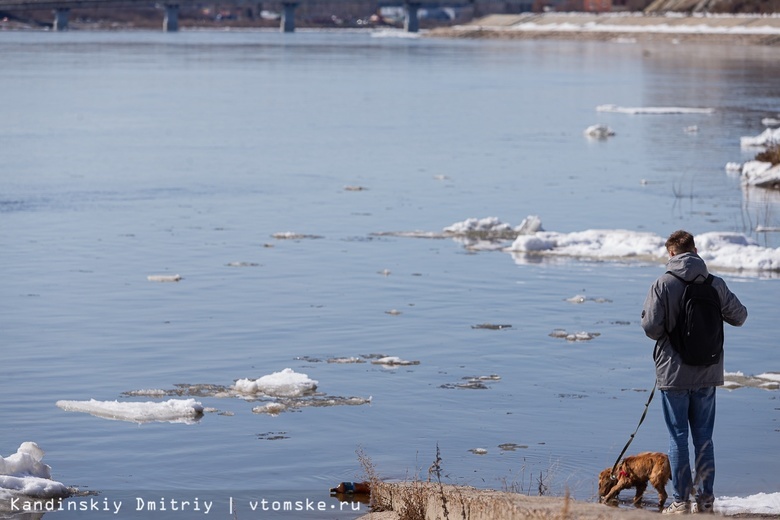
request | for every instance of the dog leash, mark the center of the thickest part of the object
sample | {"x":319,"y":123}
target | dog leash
{"x":644,"y":414}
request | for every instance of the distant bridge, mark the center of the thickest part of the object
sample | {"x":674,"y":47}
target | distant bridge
{"x":61,"y":9}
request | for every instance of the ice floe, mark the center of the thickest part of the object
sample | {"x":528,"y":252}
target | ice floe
{"x":765,"y":381}
{"x":393,"y":361}
{"x":581,"y":298}
{"x":599,"y":131}
{"x":489,"y":227}
{"x":736,"y":251}
{"x":473,"y":382}
{"x":766,"y":138}
{"x":653,"y":110}
{"x":593,"y":243}
{"x":164,"y":277}
{"x":760,"y":174}
{"x":172,"y":411}
{"x":346,"y":360}
{"x":574,"y":336}
{"x":286,"y":383}
{"x":291,"y":235}
{"x":491,"y":326}
{"x":529,"y":242}
{"x":24,"y":474}
{"x":283,"y":405}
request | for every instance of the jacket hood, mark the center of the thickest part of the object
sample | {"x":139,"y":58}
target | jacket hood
{"x":688,"y":266}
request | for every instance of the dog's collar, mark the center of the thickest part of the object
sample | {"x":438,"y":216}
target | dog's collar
{"x":622,"y":473}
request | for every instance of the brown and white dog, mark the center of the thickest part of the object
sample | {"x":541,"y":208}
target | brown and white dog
{"x":636,"y":471}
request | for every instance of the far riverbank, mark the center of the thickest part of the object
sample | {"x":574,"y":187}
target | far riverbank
{"x":741,"y":29}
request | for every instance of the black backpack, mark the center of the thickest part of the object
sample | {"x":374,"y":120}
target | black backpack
{"x":698,"y":333}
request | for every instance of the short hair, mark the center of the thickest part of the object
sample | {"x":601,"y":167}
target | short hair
{"x":680,"y":242}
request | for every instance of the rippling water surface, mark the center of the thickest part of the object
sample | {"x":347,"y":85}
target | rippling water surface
{"x":134,"y":154}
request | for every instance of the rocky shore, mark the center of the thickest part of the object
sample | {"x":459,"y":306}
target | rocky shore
{"x":740,"y":29}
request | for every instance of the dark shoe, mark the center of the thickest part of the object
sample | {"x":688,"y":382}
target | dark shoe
{"x":702,"y":507}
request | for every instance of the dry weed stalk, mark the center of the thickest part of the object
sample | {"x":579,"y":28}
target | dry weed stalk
{"x":370,"y":475}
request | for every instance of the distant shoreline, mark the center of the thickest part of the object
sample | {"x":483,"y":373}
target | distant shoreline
{"x":740,"y":29}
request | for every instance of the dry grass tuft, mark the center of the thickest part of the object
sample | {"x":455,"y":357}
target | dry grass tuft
{"x":770,"y":155}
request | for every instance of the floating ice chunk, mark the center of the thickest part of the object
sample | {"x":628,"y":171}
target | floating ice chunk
{"x":488,"y":225}
{"x":581,"y":298}
{"x":290,"y":235}
{"x":615,"y":243}
{"x":530,"y":224}
{"x":286,"y":383}
{"x":771,"y":376}
{"x":270,"y":408}
{"x":574,"y":336}
{"x":394,"y":361}
{"x":163,"y":277}
{"x":24,"y":473}
{"x":147,"y":392}
{"x":492,"y":326}
{"x":770,"y":121}
{"x":478,"y":451}
{"x":26,"y":460}
{"x":692,"y":129}
{"x":761,"y":174}
{"x":653,"y":110}
{"x":533,"y":243}
{"x":766,"y":138}
{"x":173,"y":410}
{"x":736,"y":251}
{"x":599,"y":131}
{"x":346,"y":360}
{"x":765,"y":381}
{"x":734,"y":167}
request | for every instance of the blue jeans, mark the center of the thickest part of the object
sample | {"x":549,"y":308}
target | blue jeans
{"x":694,"y":408}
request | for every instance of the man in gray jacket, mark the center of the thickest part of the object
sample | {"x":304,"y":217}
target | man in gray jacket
{"x":688,"y":391}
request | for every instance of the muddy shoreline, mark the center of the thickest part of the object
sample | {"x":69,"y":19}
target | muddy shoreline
{"x":430,"y":500}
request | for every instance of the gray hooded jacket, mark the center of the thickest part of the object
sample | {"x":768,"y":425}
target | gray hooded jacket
{"x":659,"y":315}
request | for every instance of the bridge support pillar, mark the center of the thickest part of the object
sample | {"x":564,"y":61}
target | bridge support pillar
{"x":412,"y":20}
{"x":61,"y":18}
{"x":171,"y":20}
{"x":288,"y":16}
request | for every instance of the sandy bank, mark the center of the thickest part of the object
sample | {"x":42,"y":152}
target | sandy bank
{"x":742,"y":29}
{"x":434,"y":502}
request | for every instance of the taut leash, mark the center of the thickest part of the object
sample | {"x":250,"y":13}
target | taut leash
{"x":644,"y":414}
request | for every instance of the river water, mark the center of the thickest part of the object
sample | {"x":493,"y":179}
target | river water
{"x":133,"y":154}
